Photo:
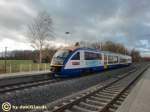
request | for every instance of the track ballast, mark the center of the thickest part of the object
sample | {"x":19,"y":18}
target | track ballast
{"x":104,"y":98}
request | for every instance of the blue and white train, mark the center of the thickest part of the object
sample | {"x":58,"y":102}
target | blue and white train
{"x":75,"y":61}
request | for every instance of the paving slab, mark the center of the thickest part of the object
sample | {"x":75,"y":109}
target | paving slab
{"x":139,"y":98}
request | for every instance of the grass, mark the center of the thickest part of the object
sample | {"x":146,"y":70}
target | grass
{"x":21,"y":66}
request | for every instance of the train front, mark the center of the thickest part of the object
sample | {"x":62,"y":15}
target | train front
{"x":58,"y":61}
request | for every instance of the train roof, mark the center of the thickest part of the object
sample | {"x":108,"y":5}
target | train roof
{"x":80,"y":48}
{"x":109,"y":52}
{"x":95,"y":50}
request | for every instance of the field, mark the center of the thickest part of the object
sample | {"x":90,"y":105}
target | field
{"x":21,"y":66}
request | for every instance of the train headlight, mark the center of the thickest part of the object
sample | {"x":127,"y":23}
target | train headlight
{"x":52,"y":69}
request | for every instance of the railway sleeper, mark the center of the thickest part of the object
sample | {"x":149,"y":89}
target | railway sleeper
{"x":126,"y":93}
{"x":115,"y":106}
{"x":108,"y":94}
{"x":111,"y":110}
{"x":120,"y":99}
{"x":113,"y":89}
{"x":115,"y":86}
{"x":90,"y":106}
{"x":118,"y":102}
{"x":104,"y":96}
{"x":101,"y":103}
{"x":68,"y":110}
{"x":77,"y":108}
{"x":111,"y":92}
{"x":100,"y":99}
{"x":121,"y":89}
{"x":123,"y":96}
{"x":94,"y":102}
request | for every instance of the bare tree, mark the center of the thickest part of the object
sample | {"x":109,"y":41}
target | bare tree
{"x":40,"y":31}
{"x":136,"y":57}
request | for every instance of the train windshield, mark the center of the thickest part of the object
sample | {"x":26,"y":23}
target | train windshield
{"x":60,"y":56}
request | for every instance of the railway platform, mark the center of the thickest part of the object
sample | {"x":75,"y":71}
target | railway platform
{"x":18,"y":74}
{"x":23,"y":77}
{"x":139,"y":98}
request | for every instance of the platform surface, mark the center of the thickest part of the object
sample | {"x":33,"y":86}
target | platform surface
{"x":8,"y":75}
{"x":139,"y":98}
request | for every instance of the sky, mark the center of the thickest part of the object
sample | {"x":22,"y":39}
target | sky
{"x":123,"y":21}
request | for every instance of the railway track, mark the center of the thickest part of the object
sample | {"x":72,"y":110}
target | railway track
{"x":103,"y":98}
{"x":21,"y":86}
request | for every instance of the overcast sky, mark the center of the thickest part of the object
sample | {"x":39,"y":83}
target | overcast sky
{"x":124,"y":21}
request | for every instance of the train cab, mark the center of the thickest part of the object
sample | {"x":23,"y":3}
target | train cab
{"x":59,"y":59}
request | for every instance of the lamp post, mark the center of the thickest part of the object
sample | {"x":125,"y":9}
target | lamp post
{"x":5,"y":59}
{"x":67,"y":33}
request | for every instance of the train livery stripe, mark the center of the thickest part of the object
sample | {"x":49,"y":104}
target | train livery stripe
{"x":75,"y":63}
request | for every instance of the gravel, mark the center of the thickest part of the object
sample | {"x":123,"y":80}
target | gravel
{"x":47,"y":93}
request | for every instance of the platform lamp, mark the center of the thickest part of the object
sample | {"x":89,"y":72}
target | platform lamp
{"x":67,"y":33}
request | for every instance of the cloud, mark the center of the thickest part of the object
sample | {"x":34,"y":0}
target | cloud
{"x":122,"y":21}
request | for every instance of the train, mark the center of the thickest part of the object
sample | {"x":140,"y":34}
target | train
{"x":74,"y":61}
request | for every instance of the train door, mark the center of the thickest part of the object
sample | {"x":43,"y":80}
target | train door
{"x":105,"y":61}
{"x":74,"y":61}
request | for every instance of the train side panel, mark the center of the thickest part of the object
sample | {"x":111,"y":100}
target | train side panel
{"x":80,"y":65}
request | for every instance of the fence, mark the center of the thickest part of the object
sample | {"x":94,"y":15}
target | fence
{"x":12,"y":68}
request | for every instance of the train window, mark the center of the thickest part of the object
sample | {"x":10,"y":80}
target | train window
{"x":115,"y":59}
{"x":110,"y":59}
{"x":76,"y":56}
{"x":60,"y":56}
{"x":92,"y":56}
{"x":100,"y":56}
{"x":87,"y":56}
{"x":122,"y":60}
